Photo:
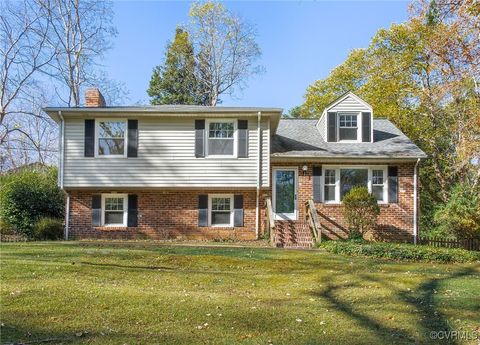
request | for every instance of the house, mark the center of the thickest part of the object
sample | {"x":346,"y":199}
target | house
{"x":179,"y":171}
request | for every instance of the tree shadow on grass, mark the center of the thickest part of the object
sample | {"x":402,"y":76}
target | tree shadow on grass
{"x":431,"y":318}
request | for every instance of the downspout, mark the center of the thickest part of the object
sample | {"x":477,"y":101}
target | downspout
{"x":60,"y":173}
{"x":415,"y":202}
{"x":259,"y":172}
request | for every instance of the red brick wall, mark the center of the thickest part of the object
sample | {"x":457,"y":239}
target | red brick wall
{"x":161,"y":215}
{"x":395,"y":222}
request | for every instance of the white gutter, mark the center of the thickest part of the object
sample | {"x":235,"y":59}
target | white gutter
{"x":415,"y":202}
{"x":60,"y":172}
{"x":61,"y":150}
{"x":259,"y":167}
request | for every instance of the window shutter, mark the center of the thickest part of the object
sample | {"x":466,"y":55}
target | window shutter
{"x":392,"y":184}
{"x":89,"y":146}
{"x":132,"y":150}
{"x":203,"y":210}
{"x":242,"y":138}
{"x":317,"y":180}
{"x":366,"y":127}
{"x":331,"y":127}
{"x":132,"y":216}
{"x":199,"y":138}
{"x":96,"y":210}
{"x":238,"y":210}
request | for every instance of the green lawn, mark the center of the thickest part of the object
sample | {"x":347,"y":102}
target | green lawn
{"x":138,"y":293}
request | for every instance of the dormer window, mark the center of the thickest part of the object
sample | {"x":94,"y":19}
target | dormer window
{"x":348,"y":128}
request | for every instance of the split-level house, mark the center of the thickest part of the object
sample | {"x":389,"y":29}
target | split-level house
{"x":195,"y":172}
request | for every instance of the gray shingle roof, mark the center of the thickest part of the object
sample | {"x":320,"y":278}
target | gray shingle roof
{"x":301,"y":138}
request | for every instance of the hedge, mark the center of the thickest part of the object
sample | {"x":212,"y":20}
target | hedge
{"x":397,"y":251}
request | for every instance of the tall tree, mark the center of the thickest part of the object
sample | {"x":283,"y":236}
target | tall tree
{"x":24,"y":53}
{"x":423,"y":75}
{"x":81,"y":32}
{"x":49,"y":50}
{"x":175,"y":82}
{"x":226,"y":50}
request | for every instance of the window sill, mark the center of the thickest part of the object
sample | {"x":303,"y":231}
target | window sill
{"x":220,"y":157}
{"x":111,"y":227}
{"x":336,"y":204}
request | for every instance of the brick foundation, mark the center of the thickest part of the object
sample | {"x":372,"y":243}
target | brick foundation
{"x":174,"y":213}
{"x":161,"y":215}
{"x":395,"y":222}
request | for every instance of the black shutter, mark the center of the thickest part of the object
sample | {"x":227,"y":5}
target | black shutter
{"x":332,"y":127}
{"x":132,"y":138}
{"x":203,"y":210}
{"x":89,"y":146}
{"x":132,"y":215}
{"x":242,"y":138}
{"x":317,"y":181}
{"x":238,"y":210}
{"x":366,"y":127}
{"x":96,"y":210}
{"x":199,"y":138}
{"x":392,"y":184}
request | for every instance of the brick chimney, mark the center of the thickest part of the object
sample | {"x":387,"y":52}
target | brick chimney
{"x":94,"y":98}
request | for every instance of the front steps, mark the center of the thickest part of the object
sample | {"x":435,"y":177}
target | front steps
{"x":292,"y":234}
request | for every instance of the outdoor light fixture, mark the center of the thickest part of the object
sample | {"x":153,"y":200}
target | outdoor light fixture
{"x":304,"y":169}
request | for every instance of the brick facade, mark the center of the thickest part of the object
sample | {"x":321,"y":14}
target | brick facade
{"x":395,"y":222}
{"x":161,"y":215}
{"x":173,"y":214}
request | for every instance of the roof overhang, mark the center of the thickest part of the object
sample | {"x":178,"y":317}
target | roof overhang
{"x":165,"y":111}
{"x":344,"y":159}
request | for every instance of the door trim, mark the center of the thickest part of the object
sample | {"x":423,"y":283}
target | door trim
{"x":274,"y":186}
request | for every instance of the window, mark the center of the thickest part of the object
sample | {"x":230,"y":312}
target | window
{"x":221,"y":138}
{"x":350,"y":178}
{"x":347,"y":129}
{"x":377,"y":184}
{"x":329,"y":188}
{"x":114,"y":209}
{"x":221,"y":210}
{"x":338,"y":180}
{"x":111,"y":138}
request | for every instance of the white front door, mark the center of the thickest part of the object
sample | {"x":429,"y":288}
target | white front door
{"x":285,"y":193}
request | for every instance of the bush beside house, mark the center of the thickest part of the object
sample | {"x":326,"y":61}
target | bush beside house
{"x":398,"y":251}
{"x":360,"y":209}
{"x":26,"y":196}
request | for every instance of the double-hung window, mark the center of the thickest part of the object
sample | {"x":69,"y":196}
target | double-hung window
{"x":329,"y":187}
{"x":221,"y":138}
{"x":348,"y":127}
{"x":111,"y":137}
{"x":221,"y":210}
{"x":378,"y":185}
{"x":114,"y":209}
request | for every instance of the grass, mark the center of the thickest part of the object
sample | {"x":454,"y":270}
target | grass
{"x":141,"y":293}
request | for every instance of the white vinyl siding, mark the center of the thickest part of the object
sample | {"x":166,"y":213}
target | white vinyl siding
{"x":349,"y":104}
{"x":166,"y":158}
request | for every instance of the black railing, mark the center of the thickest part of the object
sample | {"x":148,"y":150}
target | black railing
{"x":464,"y":243}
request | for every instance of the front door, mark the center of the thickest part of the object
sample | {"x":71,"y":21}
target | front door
{"x":285,"y":193}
